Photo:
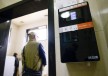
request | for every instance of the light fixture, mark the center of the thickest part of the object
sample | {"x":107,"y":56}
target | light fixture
{"x":65,"y":14}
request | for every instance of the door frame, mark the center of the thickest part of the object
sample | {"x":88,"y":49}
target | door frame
{"x":51,"y":33}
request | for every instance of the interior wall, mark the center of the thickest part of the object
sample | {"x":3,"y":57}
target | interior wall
{"x":98,"y":68}
{"x":12,"y":40}
{"x":103,"y":10}
{"x":5,"y":3}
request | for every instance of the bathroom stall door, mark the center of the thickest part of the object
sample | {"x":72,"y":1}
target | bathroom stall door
{"x":4,"y":31}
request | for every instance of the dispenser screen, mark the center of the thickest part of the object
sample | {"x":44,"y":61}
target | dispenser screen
{"x":73,"y":15}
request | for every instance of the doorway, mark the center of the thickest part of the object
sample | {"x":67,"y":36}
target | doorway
{"x":25,"y":8}
{"x":36,"y":22}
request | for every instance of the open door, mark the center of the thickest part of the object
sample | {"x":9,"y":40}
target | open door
{"x":25,"y":7}
{"x":4,"y":31}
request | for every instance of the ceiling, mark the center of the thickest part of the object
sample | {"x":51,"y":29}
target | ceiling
{"x":31,"y":18}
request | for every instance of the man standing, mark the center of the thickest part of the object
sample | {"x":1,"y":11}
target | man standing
{"x":33,"y":57}
{"x":16,"y":65}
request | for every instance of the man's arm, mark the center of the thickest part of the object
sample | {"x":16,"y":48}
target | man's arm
{"x":42,"y":54}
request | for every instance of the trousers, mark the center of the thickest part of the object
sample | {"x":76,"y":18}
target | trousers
{"x":30,"y":72}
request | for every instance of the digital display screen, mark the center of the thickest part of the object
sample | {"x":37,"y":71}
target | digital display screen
{"x":70,"y":16}
{"x":73,"y":15}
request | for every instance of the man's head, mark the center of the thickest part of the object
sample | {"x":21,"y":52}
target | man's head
{"x":32,"y":36}
{"x":15,"y":54}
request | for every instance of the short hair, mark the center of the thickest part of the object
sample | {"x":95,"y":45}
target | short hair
{"x":31,"y":33}
{"x":15,"y":54}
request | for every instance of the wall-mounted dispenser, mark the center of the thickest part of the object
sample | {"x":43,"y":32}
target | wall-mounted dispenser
{"x":77,"y":36}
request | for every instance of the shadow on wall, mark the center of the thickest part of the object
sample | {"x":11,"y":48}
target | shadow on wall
{"x":84,"y":69}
